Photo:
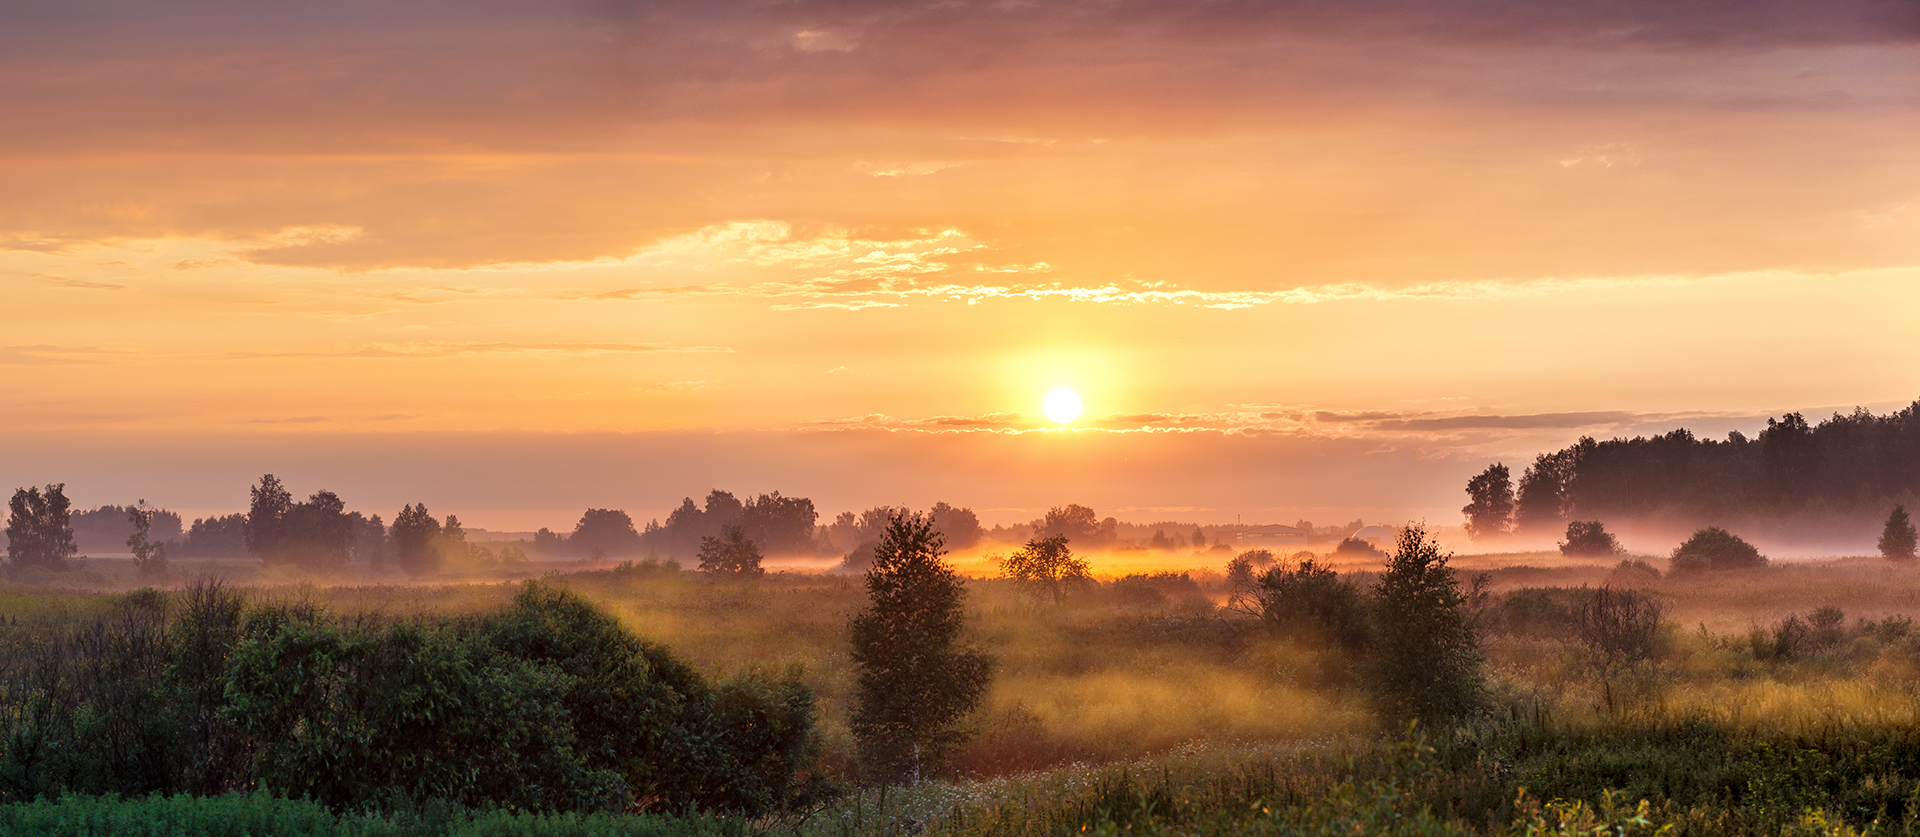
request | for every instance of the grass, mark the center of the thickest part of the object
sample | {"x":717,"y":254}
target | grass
{"x":1110,"y":717}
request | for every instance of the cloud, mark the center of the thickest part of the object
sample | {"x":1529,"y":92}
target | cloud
{"x":46,"y":355}
{"x":73,"y":283}
{"x":453,"y":349}
{"x":290,"y":420}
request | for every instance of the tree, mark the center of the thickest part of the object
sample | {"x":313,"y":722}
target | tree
{"x":1046,"y":568}
{"x":1897,"y":539}
{"x":38,"y":532}
{"x":266,"y":517}
{"x":960,"y":527}
{"x":1588,"y":539}
{"x":610,"y":530}
{"x":1491,"y":511}
{"x":781,"y":525}
{"x":1309,"y":601}
{"x":1542,"y":501}
{"x":1427,"y":661}
{"x":1714,"y":548}
{"x":415,"y":536}
{"x":316,"y":534}
{"x":915,"y":680}
{"x":148,"y":556}
{"x":1074,"y":522}
{"x":732,"y":554}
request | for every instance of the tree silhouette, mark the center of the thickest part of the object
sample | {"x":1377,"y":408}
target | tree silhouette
{"x":732,"y":554}
{"x":1588,"y":539}
{"x":150,"y":557}
{"x":915,"y":680}
{"x":1491,"y":511}
{"x":415,"y":537}
{"x":1427,"y":663}
{"x":1714,"y":548}
{"x":38,"y":530}
{"x":1046,"y":568}
{"x":1897,"y":539}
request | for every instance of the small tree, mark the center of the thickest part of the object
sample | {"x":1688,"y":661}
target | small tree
{"x":731,"y":554}
{"x":1714,"y":548}
{"x":416,"y":540}
{"x":1491,"y":512}
{"x":915,"y":680}
{"x":1588,"y":539}
{"x":1427,"y":661}
{"x":1897,"y":539}
{"x":1046,"y":568}
{"x":149,"y":557}
{"x":38,"y":529}
{"x":1309,"y":601}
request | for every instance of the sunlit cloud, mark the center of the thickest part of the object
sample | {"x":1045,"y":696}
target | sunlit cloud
{"x":441,"y":350}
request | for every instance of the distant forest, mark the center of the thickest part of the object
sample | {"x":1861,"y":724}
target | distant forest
{"x":1853,"y":463}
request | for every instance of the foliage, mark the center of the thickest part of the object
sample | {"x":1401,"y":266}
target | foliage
{"x":38,"y":534}
{"x":260,"y":812}
{"x":314,"y":534}
{"x":1714,"y":548}
{"x":960,"y":526}
{"x":1355,"y":546}
{"x":915,"y":681}
{"x":149,"y":556}
{"x":1490,"y":512}
{"x":731,"y":554}
{"x":415,"y":536}
{"x":1308,"y":600}
{"x":1897,"y":539}
{"x":1588,"y":539}
{"x":548,"y":705}
{"x":1632,"y":572}
{"x":216,"y":537}
{"x":106,"y":528}
{"x":1075,"y":522}
{"x":1843,"y":461}
{"x":1047,"y":569}
{"x":1622,"y":627}
{"x":1156,"y":589}
{"x":775,"y":523}
{"x":1426,"y":662}
{"x":608,"y":530}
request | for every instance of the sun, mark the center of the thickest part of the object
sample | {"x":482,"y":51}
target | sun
{"x":1062,"y":405}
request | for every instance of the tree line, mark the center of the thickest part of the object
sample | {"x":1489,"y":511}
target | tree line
{"x":1856,"y":462}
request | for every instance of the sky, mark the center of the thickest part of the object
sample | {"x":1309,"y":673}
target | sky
{"x":514,"y":259}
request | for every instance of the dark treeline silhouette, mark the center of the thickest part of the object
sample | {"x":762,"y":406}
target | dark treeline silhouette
{"x":1858,"y":462}
{"x":776,"y":524}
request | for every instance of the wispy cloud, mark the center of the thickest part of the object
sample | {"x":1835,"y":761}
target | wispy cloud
{"x":75,"y":283}
{"x":452,"y":349}
{"x":46,"y":355}
{"x":289,"y":420}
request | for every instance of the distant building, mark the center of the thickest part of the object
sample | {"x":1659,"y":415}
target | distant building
{"x":1273,"y":535}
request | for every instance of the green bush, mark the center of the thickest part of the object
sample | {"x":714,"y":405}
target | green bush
{"x":1714,"y":548}
{"x":1426,"y":662}
{"x":1309,"y":600}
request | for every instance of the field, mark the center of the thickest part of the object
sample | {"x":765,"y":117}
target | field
{"x":1166,"y":712}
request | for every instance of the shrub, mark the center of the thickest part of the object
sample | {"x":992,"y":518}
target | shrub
{"x":1154,"y":589}
{"x":1047,"y":569}
{"x":1355,"y":546}
{"x":1588,"y":539}
{"x":1308,"y":600}
{"x":1619,"y":626}
{"x":1633,"y":571}
{"x":1714,"y":548}
{"x":915,"y":680}
{"x":1427,"y":661}
{"x":1897,"y":538}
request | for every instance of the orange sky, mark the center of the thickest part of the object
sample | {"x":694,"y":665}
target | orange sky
{"x":1300,"y":259}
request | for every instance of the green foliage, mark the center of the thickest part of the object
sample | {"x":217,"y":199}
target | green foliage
{"x":1308,"y":600}
{"x":1426,"y":662}
{"x":915,"y":680}
{"x":1897,"y":539}
{"x":732,"y":554}
{"x":38,"y":530}
{"x":149,"y":556}
{"x":261,"y":813}
{"x":1046,"y":568}
{"x":1714,"y":548}
{"x":1588,"y":539}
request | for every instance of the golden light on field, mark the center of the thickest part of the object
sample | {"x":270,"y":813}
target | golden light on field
{"x":1062,"y":405}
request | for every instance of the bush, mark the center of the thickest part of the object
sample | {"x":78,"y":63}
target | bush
{"x":1307,"y":600}
{"x":1588,"y":539}
{"x":1714,"y":548}
{"x":1619,"y":626}
{"x":1427,"y":661}
{"x":1154,"y":589}
{"x":1631,"y":572}
{"x":1355,"y":546}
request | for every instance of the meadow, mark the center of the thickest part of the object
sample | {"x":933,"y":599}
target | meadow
{"x":1778,"y":700}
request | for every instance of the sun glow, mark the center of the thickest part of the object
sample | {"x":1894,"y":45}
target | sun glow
{"x":1062,"y":405}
